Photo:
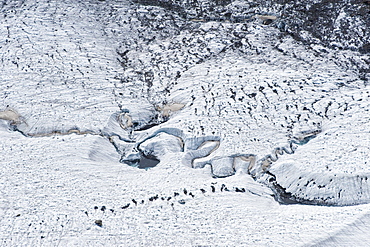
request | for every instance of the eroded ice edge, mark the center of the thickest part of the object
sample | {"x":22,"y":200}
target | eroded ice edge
{"x":268,"y":123}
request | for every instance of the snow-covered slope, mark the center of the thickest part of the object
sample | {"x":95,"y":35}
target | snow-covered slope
{"x":266,"y":106}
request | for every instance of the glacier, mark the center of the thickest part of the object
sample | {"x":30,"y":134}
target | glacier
{"x":184,"y":123}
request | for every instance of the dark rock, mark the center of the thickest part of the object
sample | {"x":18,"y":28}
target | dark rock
{"x":99,"y":223}
{"x":182,"y":201}
{"x":239,"y":190}
{"x":267,"y":22}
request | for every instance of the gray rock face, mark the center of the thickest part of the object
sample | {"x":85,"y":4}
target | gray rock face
{"x":337,"y":24}
{"x":341,"y":25}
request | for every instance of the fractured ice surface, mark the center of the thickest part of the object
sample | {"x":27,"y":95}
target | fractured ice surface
{"x":254,"y":101}
{"x":218,"y":103}
{"x":332,"y":168}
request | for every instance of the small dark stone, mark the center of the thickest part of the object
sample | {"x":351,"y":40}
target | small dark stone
{"x":169,"y":198}
{"x":213,"y":188}
{"x":86,"y":213}
{"x":18,"y":215}
{"x":99,"y":223}
{"x":267,"y":21}
{"x":126,"y":206}
{"x":42,"y":236}
{"x":162,"y":198}
{"x":175,"y":194}
{"x":239,"y":190}
{"x":155,"y":197}
{"x":151,"y":199}
{"x":96,"y":207}
{"x":133,"y":200}
{"x":252,"y":95}
{"x":191,"y":194}
{"x":203,"y":191}
{"x":185,"y":192}
{"x":142,"y":201}
{"x":112,"y":210}
{"x":181,"y":201}
{"x":103,"y":208}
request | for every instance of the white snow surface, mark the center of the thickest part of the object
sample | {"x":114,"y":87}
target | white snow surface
{"x":276,"y":111}
{"x":47,"y":188}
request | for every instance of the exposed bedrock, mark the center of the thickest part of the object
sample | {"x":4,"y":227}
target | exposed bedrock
{"x":341,"y":25}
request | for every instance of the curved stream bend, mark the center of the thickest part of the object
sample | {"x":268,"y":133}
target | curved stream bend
{"x":198,"y":152}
